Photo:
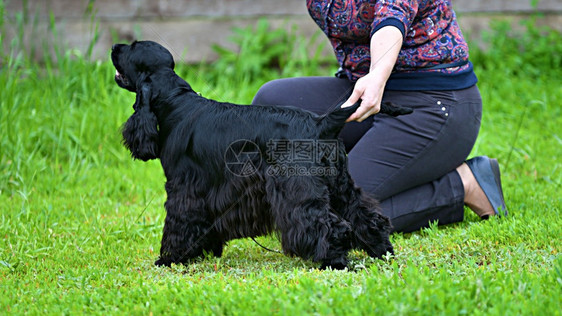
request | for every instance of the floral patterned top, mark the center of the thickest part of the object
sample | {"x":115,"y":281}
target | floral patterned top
{"x":434,"y":54}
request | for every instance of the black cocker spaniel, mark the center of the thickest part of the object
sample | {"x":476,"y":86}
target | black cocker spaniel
{"x":236,"y":171}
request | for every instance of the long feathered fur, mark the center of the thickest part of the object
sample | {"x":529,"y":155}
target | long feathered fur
{"x":140,"y":132}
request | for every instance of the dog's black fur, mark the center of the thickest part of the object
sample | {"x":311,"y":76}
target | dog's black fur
{"x":316,"y":217}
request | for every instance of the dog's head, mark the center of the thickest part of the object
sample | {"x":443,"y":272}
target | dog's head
{"x":135,"y":62}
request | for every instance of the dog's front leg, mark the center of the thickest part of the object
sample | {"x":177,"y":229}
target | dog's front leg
{"x":188,"y":232}
{"x":371,"y":229}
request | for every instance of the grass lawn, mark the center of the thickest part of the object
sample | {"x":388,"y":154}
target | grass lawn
{"x":80,"y":222}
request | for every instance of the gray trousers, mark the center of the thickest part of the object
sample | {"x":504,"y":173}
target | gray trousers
{"x":408,"y":163}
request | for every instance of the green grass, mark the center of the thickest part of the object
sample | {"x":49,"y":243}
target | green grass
{"x":80,"y":222}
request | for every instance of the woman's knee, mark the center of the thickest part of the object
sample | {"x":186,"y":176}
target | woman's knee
{"x":270,"y":93}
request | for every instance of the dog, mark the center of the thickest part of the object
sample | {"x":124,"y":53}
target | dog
{"x":219,"y":184}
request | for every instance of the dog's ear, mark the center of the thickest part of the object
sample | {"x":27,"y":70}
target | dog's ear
{"x":140,"y":132}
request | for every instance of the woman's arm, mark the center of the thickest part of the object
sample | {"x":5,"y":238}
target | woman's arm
{"x":385,"y":46}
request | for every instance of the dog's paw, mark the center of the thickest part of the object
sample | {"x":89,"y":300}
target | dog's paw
{"x":163,"y":262}
{"x":334,"y":264}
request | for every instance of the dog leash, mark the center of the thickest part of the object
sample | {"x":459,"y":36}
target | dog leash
{"x":276,"y":251}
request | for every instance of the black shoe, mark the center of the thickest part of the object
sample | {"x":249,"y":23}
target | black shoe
{"x":487,"y":174}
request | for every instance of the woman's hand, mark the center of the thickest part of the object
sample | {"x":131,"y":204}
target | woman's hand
{"x":385,"y":46}
{"x":369,"y":89}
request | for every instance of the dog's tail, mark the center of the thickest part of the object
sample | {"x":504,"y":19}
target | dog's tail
{"x":331,"y":123}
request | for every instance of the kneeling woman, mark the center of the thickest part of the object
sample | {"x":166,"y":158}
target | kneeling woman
{"x":411,"y":53}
